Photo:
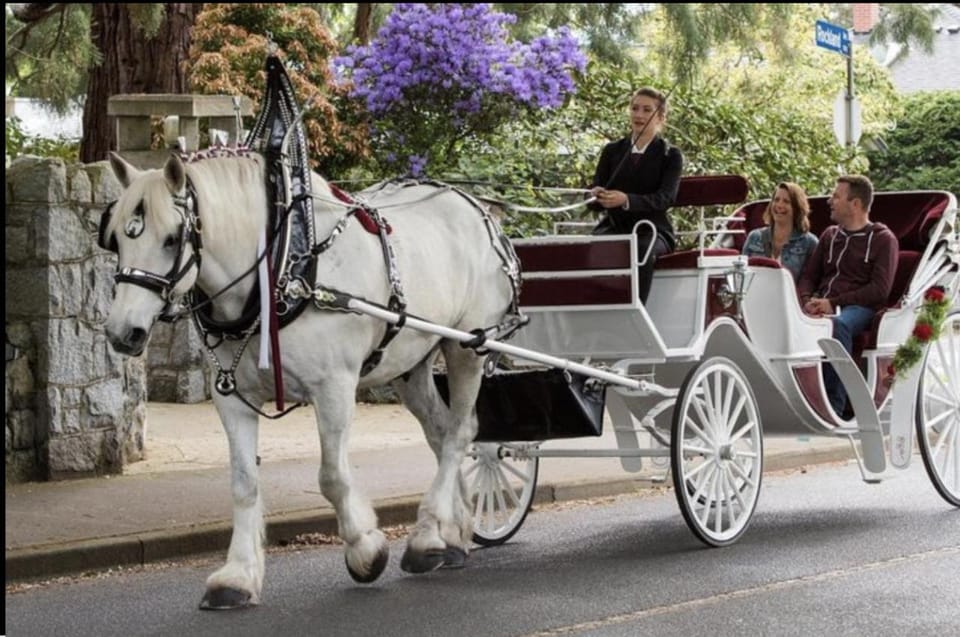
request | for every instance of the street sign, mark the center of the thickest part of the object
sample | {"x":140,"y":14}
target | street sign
{"x":840,"y":119}
{"x":833,"y":37}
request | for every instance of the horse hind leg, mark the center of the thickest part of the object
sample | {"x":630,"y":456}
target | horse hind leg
{"x":238,"y":583}
{"x":444,"y":523}
{"x":367,"y":550}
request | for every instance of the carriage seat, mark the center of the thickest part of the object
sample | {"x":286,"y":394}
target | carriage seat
{"x":594,"y":271}
{"x":912,"y":216}
{"x":576,"y":271}
{"x":704,"y":190}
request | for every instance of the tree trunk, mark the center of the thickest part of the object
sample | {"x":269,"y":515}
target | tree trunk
{"x":132,"y":64}
{"x":362,"y":23}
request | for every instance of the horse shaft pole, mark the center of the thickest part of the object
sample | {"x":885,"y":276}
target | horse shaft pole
{"x":497,"y":346}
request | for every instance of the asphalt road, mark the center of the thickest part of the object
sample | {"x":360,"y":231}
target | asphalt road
{"x":825,"y":554}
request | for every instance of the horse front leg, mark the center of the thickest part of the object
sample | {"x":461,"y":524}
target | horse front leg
{"x":367,"y":550}
{"x":238,"y":582}
{"x":444,"y":526}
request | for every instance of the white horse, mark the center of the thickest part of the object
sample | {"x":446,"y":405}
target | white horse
{"x":452,"y":275}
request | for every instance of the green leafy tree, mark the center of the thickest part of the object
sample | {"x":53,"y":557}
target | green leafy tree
{"x":90,"y":52}
{"x":923,"y":151}
{"x":227,"y":57}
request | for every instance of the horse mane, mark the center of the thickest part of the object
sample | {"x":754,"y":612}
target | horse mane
{"x":224,"y":185}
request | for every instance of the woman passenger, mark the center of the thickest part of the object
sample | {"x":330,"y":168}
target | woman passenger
{"x":786,"y":237}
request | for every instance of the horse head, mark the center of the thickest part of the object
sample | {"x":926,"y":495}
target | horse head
{"x":153,"y":228}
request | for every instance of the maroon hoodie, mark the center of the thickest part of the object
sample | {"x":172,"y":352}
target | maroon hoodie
{"x":851,"y":268}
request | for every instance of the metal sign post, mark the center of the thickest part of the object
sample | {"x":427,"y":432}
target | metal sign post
{"x":846,"y":122}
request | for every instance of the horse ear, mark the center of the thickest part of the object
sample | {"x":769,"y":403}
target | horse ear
{"x":175,"y":174}
{"x":124,"y":172}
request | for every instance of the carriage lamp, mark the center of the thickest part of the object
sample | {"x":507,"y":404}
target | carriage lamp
{"x":735,"y":285}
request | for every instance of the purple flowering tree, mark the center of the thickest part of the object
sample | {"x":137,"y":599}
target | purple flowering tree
{"x":440,"y":76}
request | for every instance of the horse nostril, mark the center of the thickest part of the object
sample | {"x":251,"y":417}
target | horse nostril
{"x":138,"y":337}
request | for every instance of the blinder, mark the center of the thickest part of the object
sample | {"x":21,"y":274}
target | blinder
{"x":103,"y":241}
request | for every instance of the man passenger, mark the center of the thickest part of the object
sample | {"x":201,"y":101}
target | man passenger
{"x":850,"y":273}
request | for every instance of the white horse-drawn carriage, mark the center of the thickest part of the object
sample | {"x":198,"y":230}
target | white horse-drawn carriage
{"x":318,"y":293}
{"x":721,"y":356}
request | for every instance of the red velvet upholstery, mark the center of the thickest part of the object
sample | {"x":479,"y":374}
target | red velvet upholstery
{"x":711,"y":190}
{"x":553,"y":257}
{"x":906,"y":265}
{"x":580,"y":290}
{"x":688,"y":258}
{"x":764,"y":262}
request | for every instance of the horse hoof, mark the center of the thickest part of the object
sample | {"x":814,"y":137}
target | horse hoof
{"x":425,"y":562}
{"x":454,"y":557}
{"x":224,"y":599}
{"x":376,"y":567}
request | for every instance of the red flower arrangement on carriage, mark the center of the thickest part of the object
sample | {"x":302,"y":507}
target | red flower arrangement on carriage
{"x":929,"y":322}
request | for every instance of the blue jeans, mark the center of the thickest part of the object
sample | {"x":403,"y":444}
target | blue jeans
{"x":853,"y":320}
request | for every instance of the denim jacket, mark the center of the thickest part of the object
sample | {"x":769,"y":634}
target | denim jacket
{"x":794,"y":254}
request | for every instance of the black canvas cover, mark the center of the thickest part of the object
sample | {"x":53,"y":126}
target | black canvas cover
{"x":535,"y":405}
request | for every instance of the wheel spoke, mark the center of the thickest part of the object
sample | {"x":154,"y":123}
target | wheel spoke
{"x":501,"y":483}
{"x":735,"y":416}
{"x":696,"y":450}
{"x":697,"y":469}
{"x":704,"y":482}
{"x":749,"y":425}
{"x":699,"y":433}
{"x":946,"y":390}
{"x":736,"y":492}
{"x":745,"y":476}
{"x":491,"y":504}
{"x":703,"y":419}
{"x":481,"y":508}
{"x":704,"y":520}
{"x":716,"y":397}
{"x":942,"y":438}
{"x":471,"y":469}
{"x":948,"y":443}
{"x":718,"y":512}
{"x":933,"y":422}
{"x":519,"y":474}
{"x":944,"y":400}
{"x":509,"y":489}
{"x":727,"y":401}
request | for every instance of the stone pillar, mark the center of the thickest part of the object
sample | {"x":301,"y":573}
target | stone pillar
{"x":135,"y":112}
{"x":74,"y":407}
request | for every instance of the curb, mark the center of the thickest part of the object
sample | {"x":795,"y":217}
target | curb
{"x":71,"y":558}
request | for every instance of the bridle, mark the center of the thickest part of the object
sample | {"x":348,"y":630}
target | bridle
{"x":162,"y":285}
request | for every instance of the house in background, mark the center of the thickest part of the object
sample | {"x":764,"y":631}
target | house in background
{"x":916,"y":70}
{"x":38,"y":120}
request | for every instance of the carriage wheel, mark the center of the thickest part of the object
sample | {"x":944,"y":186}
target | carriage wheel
{"x":501,"y":480}
{"x":938,"y":411}
{"x":717,"y":451}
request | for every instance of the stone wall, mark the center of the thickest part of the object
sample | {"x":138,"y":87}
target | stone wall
{"x":177,"y":370}
{"x":73,"y":407}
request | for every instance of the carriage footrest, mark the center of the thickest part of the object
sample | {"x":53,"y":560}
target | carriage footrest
{"x":535,"y":405}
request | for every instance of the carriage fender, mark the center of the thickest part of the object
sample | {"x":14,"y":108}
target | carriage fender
{"x":724,"y":337}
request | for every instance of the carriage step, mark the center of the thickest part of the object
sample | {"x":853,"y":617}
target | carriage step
{"x":867,"y":419}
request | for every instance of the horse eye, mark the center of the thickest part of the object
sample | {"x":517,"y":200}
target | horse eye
{"x":170,"y":241}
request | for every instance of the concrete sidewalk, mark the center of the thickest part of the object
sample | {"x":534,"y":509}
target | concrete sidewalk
{"x":176,"y":502}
